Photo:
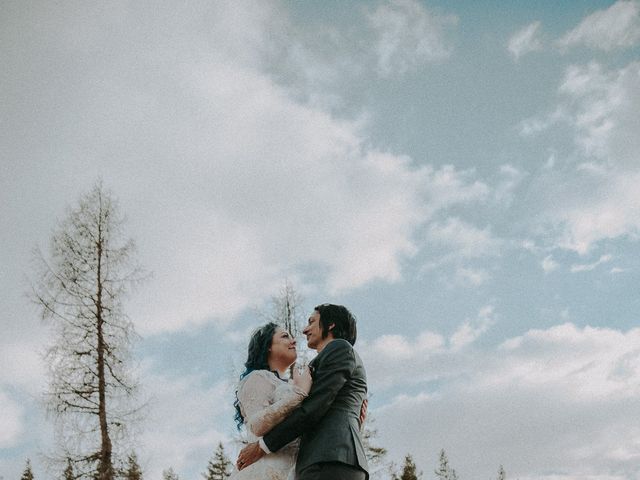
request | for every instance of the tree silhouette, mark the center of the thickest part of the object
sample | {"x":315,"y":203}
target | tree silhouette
{"x":219,"y":466}
{"x":409,"y":471}
{"x":444,"y":471}
{"x":170,"y":474}
{"x":133,"y":471}
{"x":28,"y":473}
{"x":68,"y":473}
{"x":375,"y":454}
{"x":80,"y":290}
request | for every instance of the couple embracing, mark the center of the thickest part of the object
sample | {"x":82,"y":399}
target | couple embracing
{"x":307,"y":428}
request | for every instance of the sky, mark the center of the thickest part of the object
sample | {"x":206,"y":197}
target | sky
{"x":462,"y":175}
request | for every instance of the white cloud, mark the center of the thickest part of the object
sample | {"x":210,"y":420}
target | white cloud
{"x":554,"y":402}
{"x":22,"y":365}
{"x":454,"y":242}
{"x":11,"y":421}
{"x":470,"y":330}
{"x":510,"y":178}
{"x":463,"y":239}
{"x":532,"y":126}
{"x":180,"y":430}
{"x":616,"y":27}
{"x":590,"y":266}
{"x":408,"y":36}
{"x":549,"y":264}
{"x":229,"y":182}
{"x":595,"y":197}
{"x":525,"y":40}
{"x":397,"y":347}
{"x":394,"y":360}
{"x":471,"y":276}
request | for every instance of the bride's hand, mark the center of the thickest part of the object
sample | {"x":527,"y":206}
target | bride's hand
{"x":302,"y":378}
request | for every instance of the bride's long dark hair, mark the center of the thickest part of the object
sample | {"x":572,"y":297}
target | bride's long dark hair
{"x":257,"y":355}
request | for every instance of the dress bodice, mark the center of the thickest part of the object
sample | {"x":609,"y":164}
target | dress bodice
{"x":265,"y":400}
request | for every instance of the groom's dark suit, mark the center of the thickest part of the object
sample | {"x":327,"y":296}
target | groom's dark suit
{"x":328,"y":419}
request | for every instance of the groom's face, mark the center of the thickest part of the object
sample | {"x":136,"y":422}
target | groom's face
{"x":313,"y":331}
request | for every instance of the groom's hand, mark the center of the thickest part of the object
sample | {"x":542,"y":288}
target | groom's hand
{"x":248,"y":455}
{"x":363,"y":412}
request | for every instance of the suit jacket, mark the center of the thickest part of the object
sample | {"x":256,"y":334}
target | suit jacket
{"x":328,"y":419}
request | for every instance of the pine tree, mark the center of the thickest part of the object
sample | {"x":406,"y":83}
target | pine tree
{"x":444,"y":471}
{"x":408,"y":470}
{"x":219,"y":466}
{"x":68,"y":473}
{"x":170,"y":474}
{"x":133,"y":471}
{"x":501,"y":473}
{"x":28,"y":473}
{"x":375,"y":454}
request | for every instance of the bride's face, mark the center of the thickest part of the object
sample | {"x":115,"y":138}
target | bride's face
{"x":283,"y":348}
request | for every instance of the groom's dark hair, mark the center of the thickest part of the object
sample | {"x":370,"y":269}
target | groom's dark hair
{"x":343,"y":321}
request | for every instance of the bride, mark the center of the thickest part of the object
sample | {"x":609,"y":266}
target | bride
{"x":265,"y":398}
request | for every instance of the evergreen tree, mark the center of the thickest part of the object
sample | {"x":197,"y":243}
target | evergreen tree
{"x":501,"y":473}
{"x":375,"y":454}
{"x":408,"y":470}
{"x":68,"y":473}
{"x":28,"y":473}
{"x":133,"y":471}
{"x":219,"y":466}
{"x":444,"y":471}
{"x":170,"y":474}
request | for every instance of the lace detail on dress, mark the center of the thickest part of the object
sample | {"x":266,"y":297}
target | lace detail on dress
{"x":265,"y":401}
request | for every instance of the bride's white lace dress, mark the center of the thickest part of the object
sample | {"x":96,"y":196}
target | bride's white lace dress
{"x":266,"y":400}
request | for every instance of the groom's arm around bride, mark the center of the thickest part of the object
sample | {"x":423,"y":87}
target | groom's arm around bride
{"x":328,"y":419}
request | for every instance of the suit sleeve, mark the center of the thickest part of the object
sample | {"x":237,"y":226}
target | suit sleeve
{"x":332,"y":373}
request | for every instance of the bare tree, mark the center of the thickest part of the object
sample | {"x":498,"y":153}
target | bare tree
{"x":80,"y":291}
{"x":287,"y":311}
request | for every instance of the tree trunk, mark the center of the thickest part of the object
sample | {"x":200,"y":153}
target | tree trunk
{"x":105,"y":470}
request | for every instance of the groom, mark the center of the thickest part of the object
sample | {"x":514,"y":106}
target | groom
{"x":328,"y":420}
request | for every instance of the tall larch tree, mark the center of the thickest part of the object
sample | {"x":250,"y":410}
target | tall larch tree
{"x":80,"y":288}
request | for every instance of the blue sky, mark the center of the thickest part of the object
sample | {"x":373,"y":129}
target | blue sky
{"x":462,"y":175}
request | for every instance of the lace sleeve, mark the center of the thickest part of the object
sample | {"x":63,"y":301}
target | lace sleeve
{"x":260,"y":410}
